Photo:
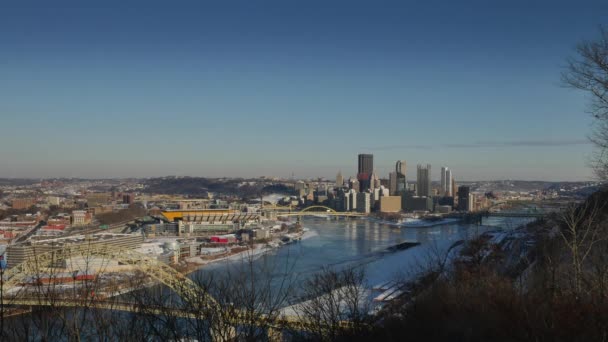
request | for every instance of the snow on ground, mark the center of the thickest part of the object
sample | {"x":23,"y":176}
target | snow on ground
{"x":417,"y":223}
{"x":308,"y":233}
{"x":406,"y":264}
{"x":151,"y":248}
{"x":273,"y":198}
{"x":247,"y":255}
{"x":423,"y":223}
{"x":338,"y":294}
{"x":395,"y":267}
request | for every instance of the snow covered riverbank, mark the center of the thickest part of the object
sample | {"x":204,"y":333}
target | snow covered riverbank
{"x":416,"y":223}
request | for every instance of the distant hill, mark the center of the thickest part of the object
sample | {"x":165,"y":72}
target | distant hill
{"x":197,"y":186}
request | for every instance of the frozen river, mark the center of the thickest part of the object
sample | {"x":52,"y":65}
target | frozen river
{"x":362,"y":243}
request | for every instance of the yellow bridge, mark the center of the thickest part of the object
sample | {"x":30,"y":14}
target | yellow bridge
{"x":18,"y":289}
{"x":319,"y":210}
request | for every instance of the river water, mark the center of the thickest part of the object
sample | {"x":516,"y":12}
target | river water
{"x":339,"y":243}
{"x":361,"y":243}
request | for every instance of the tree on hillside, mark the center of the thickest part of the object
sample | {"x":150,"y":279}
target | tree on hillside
{"x":581,"y":233}
{"x":588,"y":71}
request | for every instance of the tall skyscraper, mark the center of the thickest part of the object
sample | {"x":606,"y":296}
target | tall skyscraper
{"x":366,"y":163}
{"x":443,"y":183}
{"x":446,"y":182}
{"x":463,"y":198}
{"x":365,"y":170}
{"x":392,"y":183}
{"x":423,"y":180}
{"x":339,"y":180}
{"x":400,"y":169}
{"x":372,"y":181}
{"x":363,"y":202}
{"x":353,"y":183}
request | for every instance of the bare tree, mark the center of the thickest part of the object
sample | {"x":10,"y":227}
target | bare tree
{"x":588,"y":71}
{"x":241,"y":303}
{"x":581,"y":232}
{"x":332,"y":299}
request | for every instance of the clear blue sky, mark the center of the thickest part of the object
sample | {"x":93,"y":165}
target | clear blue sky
{"x":249,"y":88}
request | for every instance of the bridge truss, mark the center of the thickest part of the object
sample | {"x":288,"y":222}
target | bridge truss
{"x":319,"y":210}
{"x":44,"y":264}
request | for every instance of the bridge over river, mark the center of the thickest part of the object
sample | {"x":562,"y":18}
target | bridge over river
{"x":20,"y":290}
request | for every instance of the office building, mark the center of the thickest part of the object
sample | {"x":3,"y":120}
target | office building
{"x":443,"y":185}
{"x":423,"y":180}
{"x":299,"y":185}
{"x":363,"y":202}
{"x":339,"y":180}
{"x":365,"y":170}
{"x":392,"y":183}
{"x":128,"y":198}
{"x":384,"y":191}
{"x":405,"y":196}
{"x":377,"y":181}
{"x":418,"y":203}
{"x":366,"y":163}
{"x":81,"y":218}
{"x":338,"y":201}
{"x":374,"y":181}
{"x":390,"y":204}
{"x":97,"y":199}
{"x":374,"y":198}
{"x":448,"y":177}
{"x":443,"y":209}
{"x":346,"y":204}
{"x":471,"y":203}
{"x":463,"y":198}
{"x":350,"y":200}
{"x":446,"y":182}
{"x":445,"y":200}
{"x":400,"y":169}
{"x":354,"y":184}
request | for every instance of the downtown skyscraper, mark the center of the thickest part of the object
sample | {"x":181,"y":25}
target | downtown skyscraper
{"x":446,"y":182}
{"x":366,"y":164}
{"x":423,"y":180}
{"x":365,"y":170}
{"x":397,"y":181}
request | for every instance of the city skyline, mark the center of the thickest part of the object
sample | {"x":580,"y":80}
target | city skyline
{"x":303,"y":170}
{"x":345,"y":175}
{"x":148,"y":89}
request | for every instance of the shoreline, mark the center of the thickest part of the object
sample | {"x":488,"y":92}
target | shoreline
{"x":253,"y":253}
{"x":417,"y":224}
